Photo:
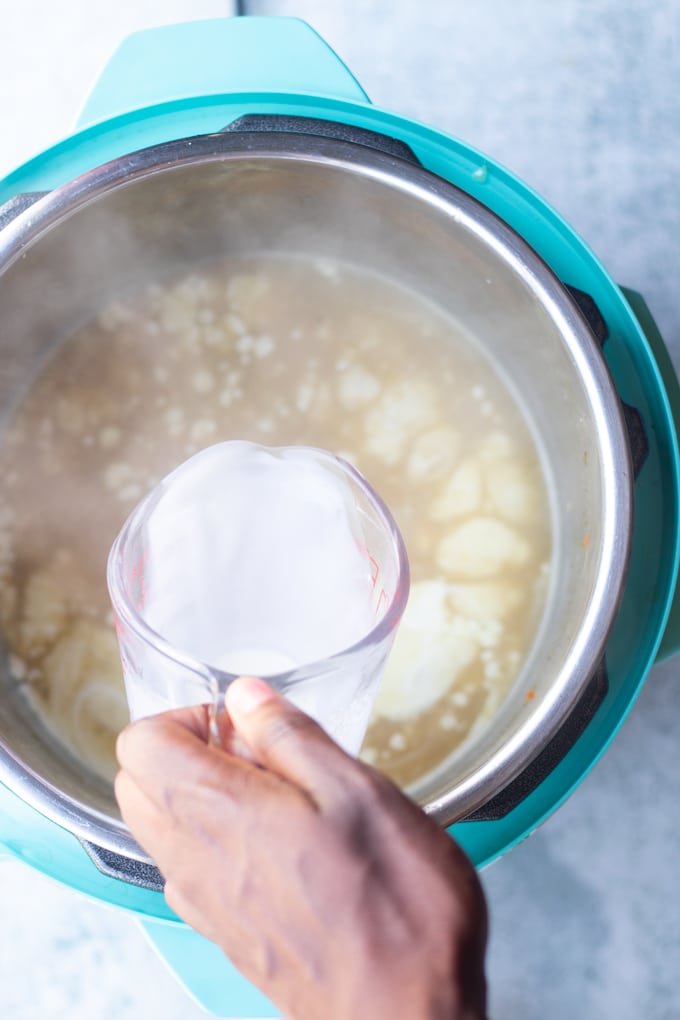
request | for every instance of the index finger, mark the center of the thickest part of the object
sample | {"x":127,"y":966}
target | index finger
{"x":171,"y":750}
{"x":195,"y":720}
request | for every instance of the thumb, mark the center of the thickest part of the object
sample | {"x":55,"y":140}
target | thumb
{"x":285,"y":740}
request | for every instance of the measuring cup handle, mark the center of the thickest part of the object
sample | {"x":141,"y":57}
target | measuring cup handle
{"x":205,"y":972}
{"x":207,"y":58}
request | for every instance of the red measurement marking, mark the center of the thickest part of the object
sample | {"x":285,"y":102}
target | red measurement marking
{"x":139,"y":566}
{"x":375,"y":573}
{"x":375,"y":566}
{"x":137,"y":581}
{"x":382,"y":602}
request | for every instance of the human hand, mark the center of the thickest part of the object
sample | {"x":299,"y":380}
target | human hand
{"x":329,"y":889}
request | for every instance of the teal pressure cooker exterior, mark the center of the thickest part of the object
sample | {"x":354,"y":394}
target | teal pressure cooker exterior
{"x":196,"y":78}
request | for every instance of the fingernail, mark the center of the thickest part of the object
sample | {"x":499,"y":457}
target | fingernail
{"x":246,"y":694}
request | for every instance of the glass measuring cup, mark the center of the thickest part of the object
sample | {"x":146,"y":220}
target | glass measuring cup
{"x":275,"y":562}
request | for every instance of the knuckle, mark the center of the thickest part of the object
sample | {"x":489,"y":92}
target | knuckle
{"x":365,"y":786}
{"x":357,"y":800}
{"x":370,"y":788}
{"x":281,"y":728}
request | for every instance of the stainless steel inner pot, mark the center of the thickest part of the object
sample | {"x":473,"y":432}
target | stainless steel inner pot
{"x":164,"y":210}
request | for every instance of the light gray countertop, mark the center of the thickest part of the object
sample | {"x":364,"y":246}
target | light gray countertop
{"x":581,"y":99}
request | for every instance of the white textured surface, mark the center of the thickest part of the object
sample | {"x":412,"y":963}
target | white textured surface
{"x":580,"y":99}
{"x":63,"y":957}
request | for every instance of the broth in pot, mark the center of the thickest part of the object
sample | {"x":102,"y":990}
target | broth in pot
{"x":278,"y":350}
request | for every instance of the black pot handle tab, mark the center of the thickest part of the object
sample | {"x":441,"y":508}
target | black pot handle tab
{"x":540,"y":768}
{"x":126,"y":869}
{"x":637,"y":437}
{"x":315,"y":126}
